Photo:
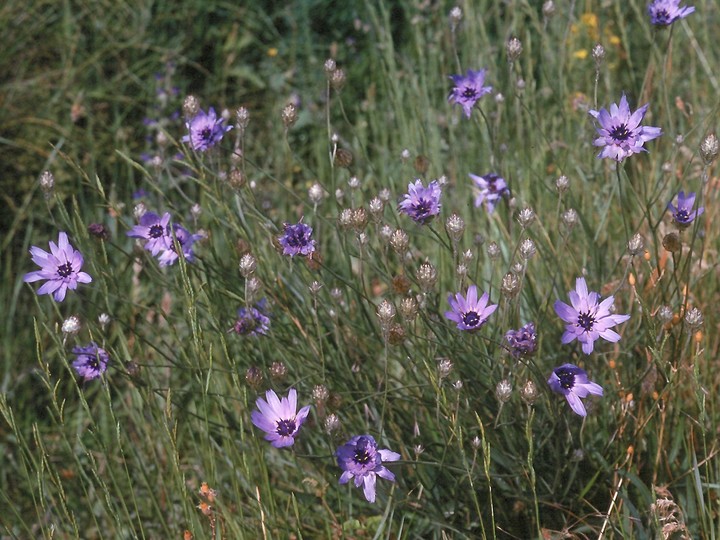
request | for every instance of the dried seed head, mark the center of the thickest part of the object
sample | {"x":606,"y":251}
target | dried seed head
{"x":709,"y":149}
{"x":254,"y":376}
{"x":476,"y":442}
{"x":376,"y":207}
{"x":345,"y":219}
{"x":529,"y":393}
{"x":278,"y":371}
{"x":343,"y":158}
{"x":499,"y":98}
{"x":493,"y":251}
{"x":467,"y":256}
{"x":672,"y":243}
{"x":104,"y":320}
{"x":354,"y":182}
{"x":527,"y":249}
{"x":329,"y":67}
{"x":331,"y":423}
{"x":247,"y":265}
{"x":360,"y":219}
{"x":457,"y":385}
{"x":254,"y":286}
{"x":385,"y":313}
{"x":444,"y":367}
{"x":665,"y":314}
{"x":503,"y":391}
{"x":510,"y":285}
{"x":635,"y":245}
{"x":456,"y":16}
{"x":694,"y":318}
{"x":236,"y":179}
{"x":455,"y":226}
{"x":191,"y":106}
{"x":513,"y":48}
{"x":139,"y":210}
{"x":195,"y":211}
{"x":525,"y":217}
{"x":98,"y":230}
{"x":386,"y":232}
{"x":315,"y":287}
{"x":242,"y":119}
{"x":408,"y":308}
{"x":548,"y":9}
{"x":71,"y":326}
{"x":289,"y":115}
{"x":337,"y":79}
{"x":427,"y":276}
{"x":399,"y":241}
{"x":396,"y":336}
{"x":401,"y":284}
{"x":339,"y":194}
{"x":320,"y":393}
{"x":569,"y":218}
{"x":598,"y":54}
{"x":47,"y":183}
{"x":422,"y":164}
{"x":336,"y":293}
{"x":562,"y":184}
{"x":316,"y":193}
{"x":461,"y":271}
{"x":384,"y":195}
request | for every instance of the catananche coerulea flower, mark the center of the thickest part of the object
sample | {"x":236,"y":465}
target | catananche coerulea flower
{"x":573,"y":383}
{"x":470,"y":312}
{"x":296,"y":240}
{"x":684,"y":214}
{"x":360,"y":458}
{"x":91,"y":361}
{"x":279,"y":417}
{"x":490,"y":189}
{"x":205,"y":130}
{"x":468,"y":89}
{"x":666,"y":12}
{"x":422,"y":203}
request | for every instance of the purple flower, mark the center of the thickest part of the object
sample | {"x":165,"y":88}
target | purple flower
{"x":684,"y":214}
{"x":522,"y":342}
{"x":666,"y":12}
{"x":468,"y":89}
{"x":296,"y":240}
{"x":277,"y":417}
{"x":91,"y":361}
{"x":154,"y":229}
{"x":168,"y":256}
{"x":572,"y":382}
{"x":252,"y":321}
{"x":360,"y":458}
{"x":469,"y":312}
{"x":620,"y":131}
{"x":587,"y":320}
{"x":61,"y":268}
{"x":490,"y":189}
{"x":422,"y":203}
{"x":205,"y":130}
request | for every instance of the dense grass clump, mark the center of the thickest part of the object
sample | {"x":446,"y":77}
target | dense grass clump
{"x":442,"y":257}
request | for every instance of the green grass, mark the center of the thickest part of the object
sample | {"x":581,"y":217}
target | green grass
{"x":125,"y":456}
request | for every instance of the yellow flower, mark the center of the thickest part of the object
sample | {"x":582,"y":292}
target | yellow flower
{"x":580,"y":54}
{"x":272,"y":52}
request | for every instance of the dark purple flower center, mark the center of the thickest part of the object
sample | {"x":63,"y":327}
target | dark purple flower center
{"x":682,"y":216}
{"x":362,"y":456}
{"x":285,"y":428}
{"x":586,"y":320}
{"x":296,"y":238}
{"x":469,"y":92}
{"x":567,"y":378}
{"x":620,"y":133}
{"x":155,"y":231}
{"x":206,"y":133}
{"x":64,"y":270}
{"x":471,"y":318}
{"x":662,"y":17}
{"x":422,"y":207}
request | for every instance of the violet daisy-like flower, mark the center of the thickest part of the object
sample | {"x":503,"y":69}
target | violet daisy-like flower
{"x":421,"y":203}
{"x":278,"y":417}
{"x":205,"y":130}
{"x":296,"y":240}
{"x":91,"y":361}
{"x":252,"y":321}
{"x":169,"y":256}
{"x":522,"y":342}
{"x":684,"y":214}
{"x":490,"y":189}
{"x":470,"y":312}
{"x":620,"y":131}
{"x":468,"y":89}
{"x":666,"y":12}
{"x":155,"y":230}
{"x":572,"y":382}
{"x":360,"y":458}
{"x":61,"y":268}
{"x":587,"y":320}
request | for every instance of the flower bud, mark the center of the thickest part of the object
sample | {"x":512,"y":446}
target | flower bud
{"x":548,"y":9}
{"x":456,"y":16}
{"x":444,"y":367}
{"x":320,"y":393}
{"x":562,"y":184}
{"x":493,"y":251}
{"x":376,"y":207}
{"x":242,"y":119}
{"x":529,"y":393}
{"x":329,"y":67}
{"x":408,"y":308}
{"x":569,"y":219}
{"x":278,"y":371}
{"x":71,"y":326}
{"x":525,"y":217}
{"x":331,"y":423}
{"x":104,"y":320}
{"x":510,"y":285}
{"x":598,"y":54}
{"x":694,"y":318}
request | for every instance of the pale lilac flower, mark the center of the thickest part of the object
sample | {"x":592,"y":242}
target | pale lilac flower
{"x":155,"y":230}
{"x":587,"y":320}
{"x":296,"y":240}
{"x":684,"y":215}
{"x":169,"y":256}
{"x":360,"y":458}
{"x":490,"y":189}
{"x":205,"y":130}
{"x":666,"y":12}
{"x":278,"y":417}
{"x":253,"y":321}
{"x":468,"y":89}
{"x":620,"y":131}
{"x":572,"y":382}
{"x":522,"y":342}
{"x":91,"y":361}
{"x":422,"y":203}
{"x":61,"y":268}
{"x":469,"y":312}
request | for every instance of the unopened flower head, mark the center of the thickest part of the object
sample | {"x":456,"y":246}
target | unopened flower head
{"x":279,"y":418}
{"x":666,"y":12}
{"x":320,"y":393}
{"x":468,"y":89}
{"x":620,"y":132}
{"x":278,"y":370}
{"x":247,"y":265}
{"x":510,"y":285}
{"x":104,"y":320}
{"x":386,"y":313}
{"x":316,"y":193}
{"x":444,"y":367}
{"x":296,"y":240}
{"x":361,"y":459}
{"x":525,"y":217}
{"x":470,"y":312}
{"x":331,"y":423}
{"x":455,"y":226}
{"x":455,"y":17}
{"x":71,"y":325}
{"x":191,"y":106}
{"x":548,"y":9}
{"x":635,"y":245}
{"x":408,"y":308}
{"x":709,"y":149}
{"x":205,"y":130}
{"x":376,"y":207}
{"x":427,"y":276}
{"x":527,"y":249}
{"x":522,"y":342}
{"x":289,"y":115}
{"x":399,"y":241}
{"x":573,"y":383}
{"x":421,"y":203}
{"x":694,"y":318}
{"x":598,"y":54}
{"x":90,"y":361}
{"x":513,"y":47}
{"x":493,"y":251}
{"x":489,"y":190}
{"x":330,"y":65}
{"x":242,"y":119}
{"x":569,"y":218}
{"x":529,"y":392}
{"x":345,"y":219}
{"x":587,"y":319}
{"x":47,"y":183}
{"x":684,"y":214}
{"x":562,"y":184}
{"x":61,"y":268}
{"x":503,"y":391}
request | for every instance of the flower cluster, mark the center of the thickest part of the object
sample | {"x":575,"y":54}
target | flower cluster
{"x":161,"y":236}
